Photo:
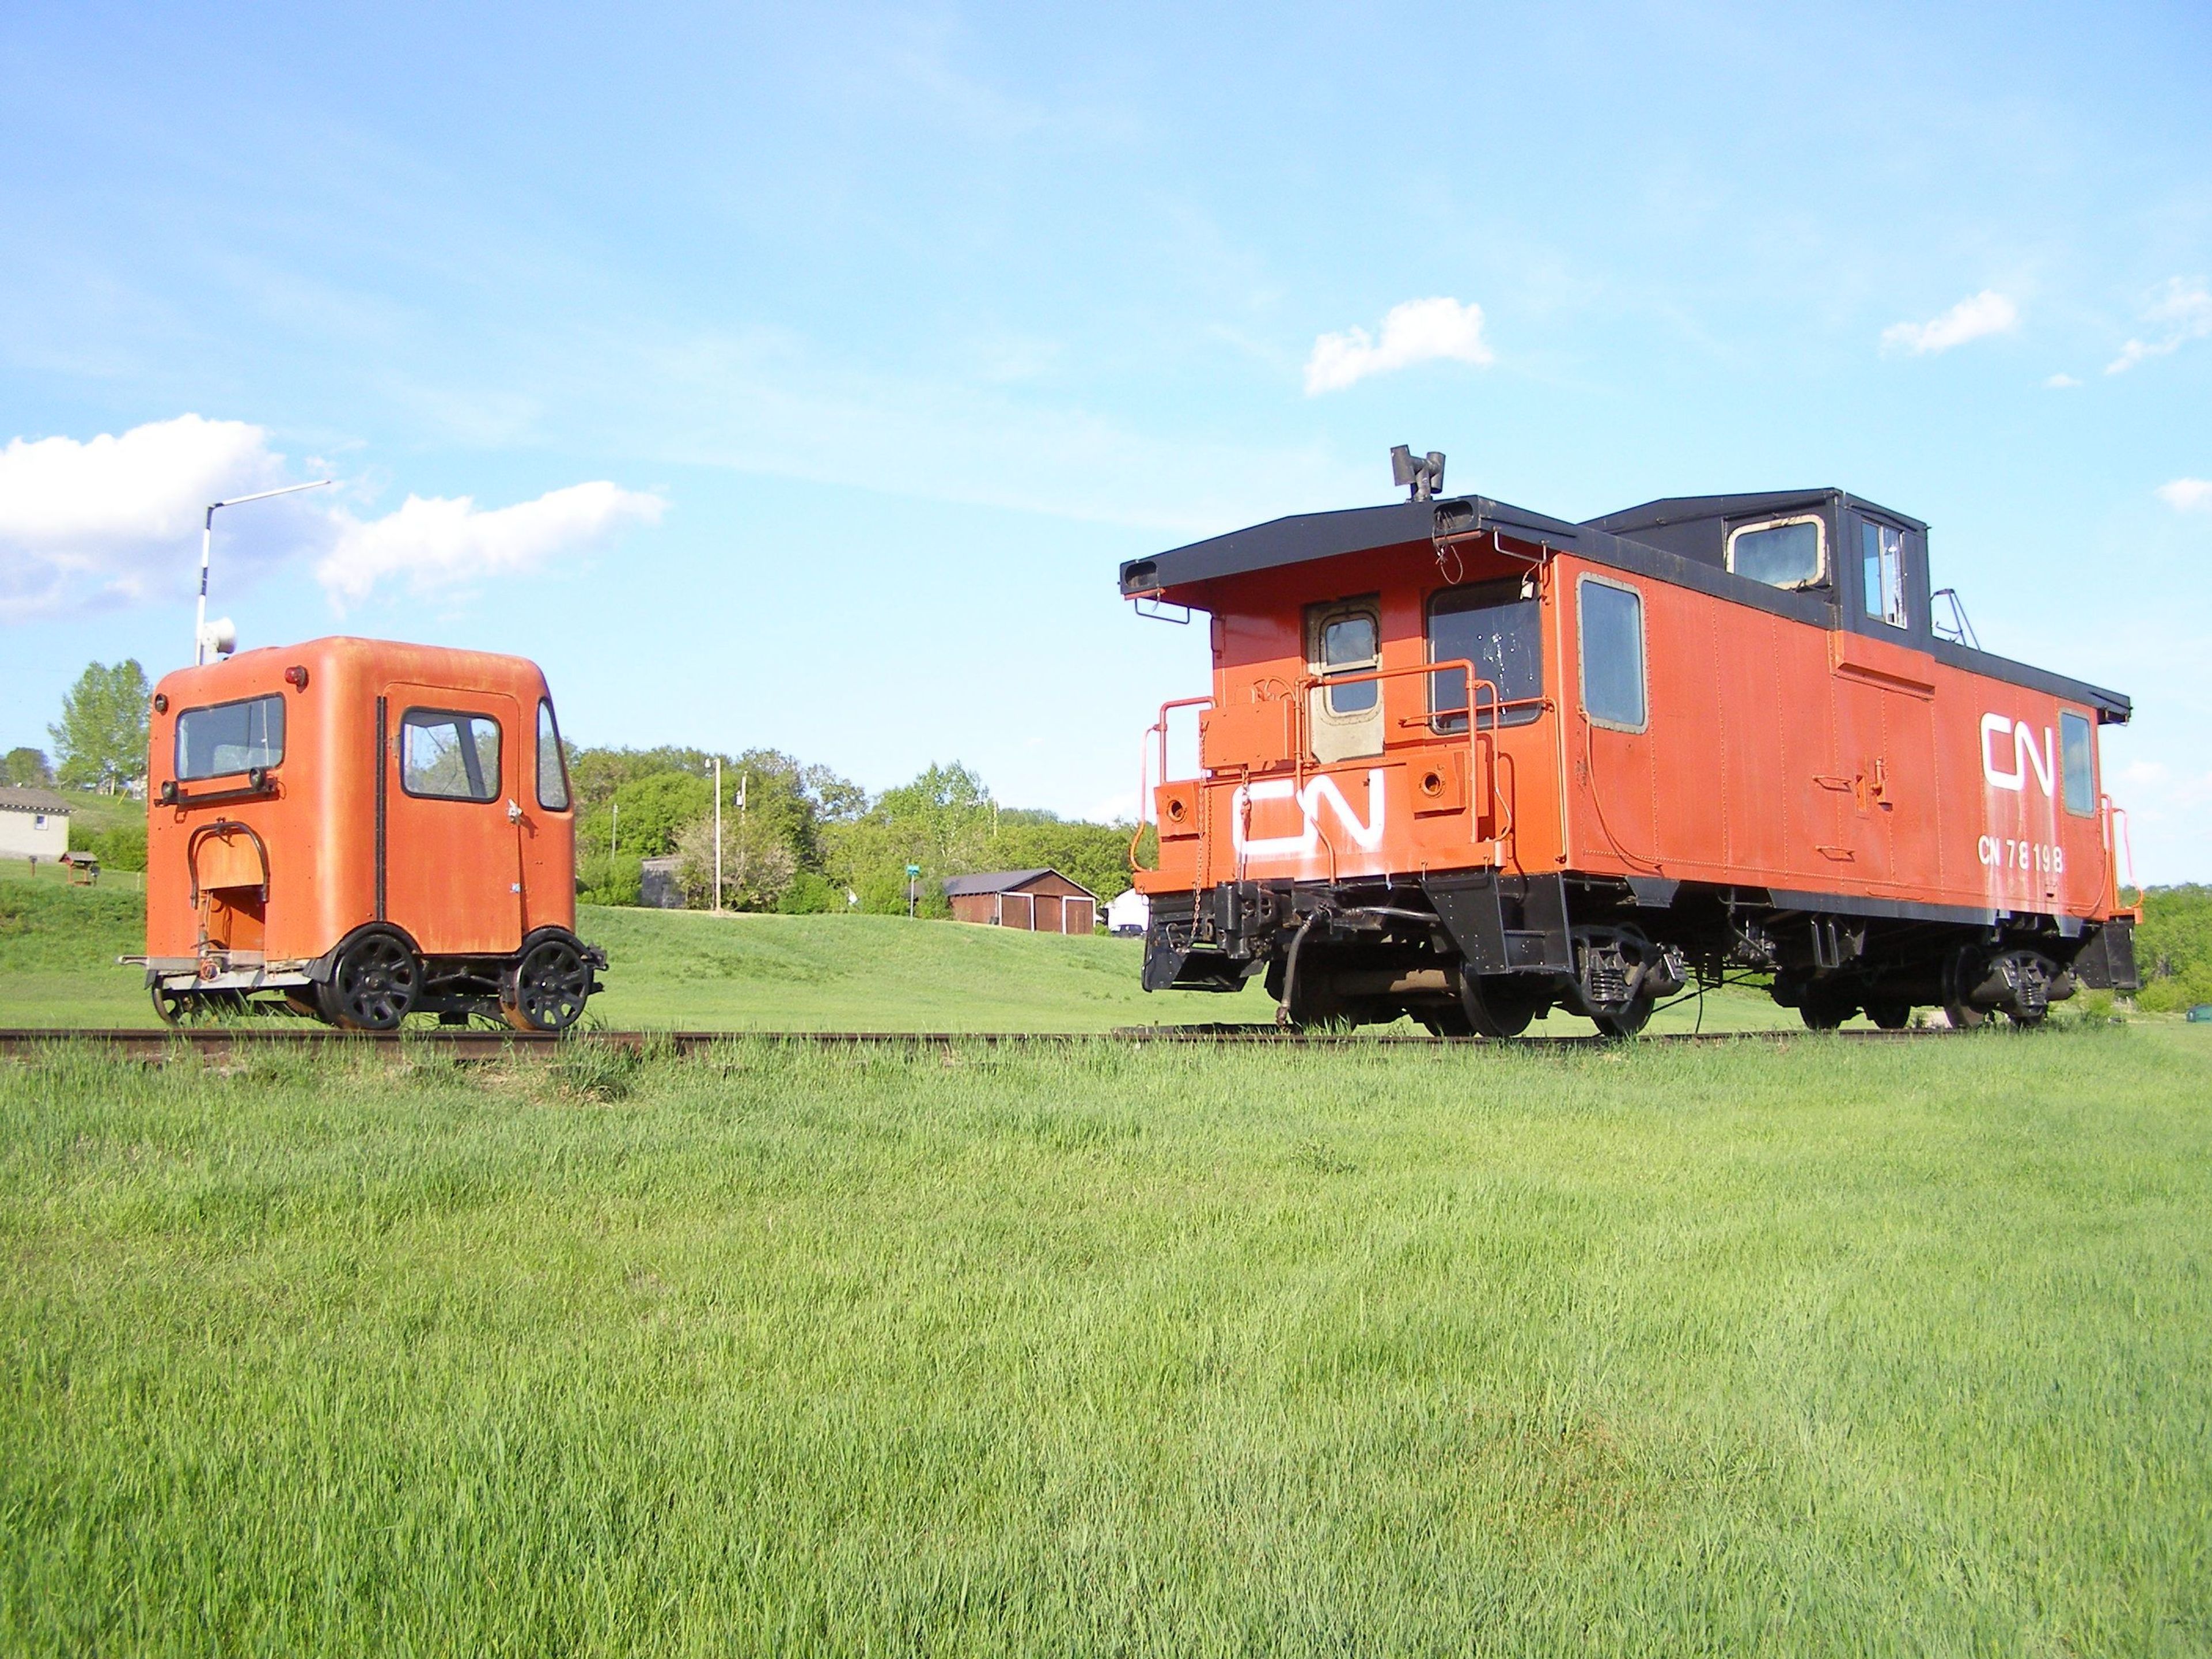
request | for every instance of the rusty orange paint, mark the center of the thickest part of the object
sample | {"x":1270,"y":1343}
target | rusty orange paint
{"x":1774,"y":752}
{"x":287,"y":866}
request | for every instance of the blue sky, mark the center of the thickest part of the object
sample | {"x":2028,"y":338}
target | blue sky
{"x":880,"y":335}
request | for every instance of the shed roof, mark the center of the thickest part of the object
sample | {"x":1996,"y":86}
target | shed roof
{"x":1003,"y":881}
{"x":22,"y":798}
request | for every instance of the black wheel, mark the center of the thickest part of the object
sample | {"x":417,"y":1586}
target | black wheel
{"x":1624,"y":1021}
{"x":1823,"y":1010}
{"x":550,"y":987}
{"x":1496,"y":1007}
{"x":1957,"y":971}
{"x":1891,"y":1013}
{"x":197,"y":1008}
{"x":374,"y":985}
{"x":1444,"y":1021}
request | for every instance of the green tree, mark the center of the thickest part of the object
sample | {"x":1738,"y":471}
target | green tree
{"x":2173,"y":948}
{"x":654,"y":811}
{"x":27,"y":767}
{"x":941,"y":821}
{"x":772,"y":803}
{"x":101,"y":739}
{"x":1094,"y":854}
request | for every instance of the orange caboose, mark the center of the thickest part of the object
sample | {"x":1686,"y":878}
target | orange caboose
{"x":1469,"y":763}
{"x":363,"y":830}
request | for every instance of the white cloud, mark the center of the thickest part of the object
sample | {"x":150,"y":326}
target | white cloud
{"x":445,"y":541}
{"x":2185,"y":313}
{"x":116,"y":518}
{"x":2187,"y":495}
{"x":1418,"y":331}
{"x":2060,"y":382}
{"x":1986,"y":312}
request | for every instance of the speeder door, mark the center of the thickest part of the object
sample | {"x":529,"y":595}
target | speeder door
{"x":452,"y":864}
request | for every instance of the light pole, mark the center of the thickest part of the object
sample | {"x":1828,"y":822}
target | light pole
{"x":207,"y":535}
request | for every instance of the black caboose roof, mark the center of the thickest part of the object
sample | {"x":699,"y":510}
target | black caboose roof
{"x":1680,"y":539}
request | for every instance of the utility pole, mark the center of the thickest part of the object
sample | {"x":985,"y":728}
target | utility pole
{"x":718,"y":835}
{"x":613,"y":831}
{"x":200,"y":639}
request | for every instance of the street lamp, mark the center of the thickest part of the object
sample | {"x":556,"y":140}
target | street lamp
{"x":225,"y":637}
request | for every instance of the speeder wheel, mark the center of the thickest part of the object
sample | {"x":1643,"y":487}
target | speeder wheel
{"x":550,"y":987}
{"x":373,"y":984}
{"x":174,"y":1007}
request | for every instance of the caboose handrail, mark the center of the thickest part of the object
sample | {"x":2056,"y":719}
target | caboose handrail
{"x":1481,"y":753}
{"x":1158,"y":728}
{"x":2119,"y":843}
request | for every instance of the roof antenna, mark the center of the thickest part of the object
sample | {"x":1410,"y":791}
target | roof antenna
{"x":1423,"y":477}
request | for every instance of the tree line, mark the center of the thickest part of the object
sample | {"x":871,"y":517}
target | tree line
{"x":799,"y":838}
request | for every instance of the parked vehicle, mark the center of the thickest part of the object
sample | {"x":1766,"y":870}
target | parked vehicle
{"x":1469,"y":762}
{"x":358,"y":830}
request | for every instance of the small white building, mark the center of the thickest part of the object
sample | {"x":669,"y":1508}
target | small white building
{"x":33,"y":823}
{"x":1128,"y":912}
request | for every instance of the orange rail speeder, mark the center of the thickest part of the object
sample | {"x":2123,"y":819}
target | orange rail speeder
{"x":1467,"y":762}
{"x":359,"y":831}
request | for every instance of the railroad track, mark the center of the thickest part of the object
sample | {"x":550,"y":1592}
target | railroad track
{"x":473,"y":1044}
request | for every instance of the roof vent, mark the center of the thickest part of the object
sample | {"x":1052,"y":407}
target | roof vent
{"x":1423,"y":477}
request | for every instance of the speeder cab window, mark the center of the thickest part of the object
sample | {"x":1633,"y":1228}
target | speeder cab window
{"x":1786,"y":553}
{"x":449,"y":756}
{"x":1491,"y":625}
{"x":230,"y":737}
{"x":2077,"y":759}
{"x":552,"y":776}
{"x":1348,"y":646}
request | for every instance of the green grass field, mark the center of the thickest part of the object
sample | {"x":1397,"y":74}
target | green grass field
{"x":682,"y":970}
{"x":1799,"y":1348}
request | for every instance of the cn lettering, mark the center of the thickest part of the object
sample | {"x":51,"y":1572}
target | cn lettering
{"x":1322,"y":791}
{"x":2027,"y":759}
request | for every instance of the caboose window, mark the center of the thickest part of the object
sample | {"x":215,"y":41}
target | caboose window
{"x":1882,"y":553}
{"x":1348,"y":646}
{"x":448,"y":755}
{"x":2077,"y":759}
{"x":1782,"y":553}
{"x":230,"y":737}
{"x":552,"y":768}
{"x":1491,"y":625}
{"x":1612,"y":654}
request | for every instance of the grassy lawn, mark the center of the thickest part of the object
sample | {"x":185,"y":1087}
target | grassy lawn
{"x":1806,"y":1348}
{"x":685,"y":971}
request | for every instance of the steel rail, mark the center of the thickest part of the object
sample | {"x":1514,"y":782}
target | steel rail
{"x":492,"y":1045}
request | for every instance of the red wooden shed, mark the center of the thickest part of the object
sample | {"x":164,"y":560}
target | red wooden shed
{"x":1040,"y":901}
